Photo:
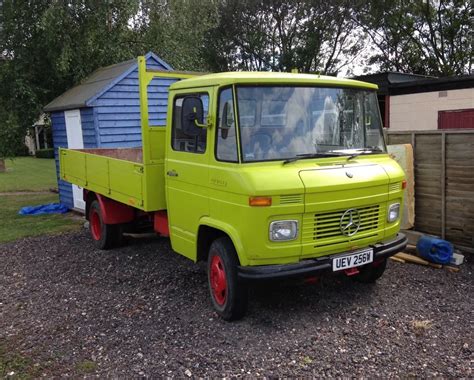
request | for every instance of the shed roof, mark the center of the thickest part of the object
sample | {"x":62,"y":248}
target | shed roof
{"x":96,"y":84}
{"x":429,"y":85}
{"x":385,"y":80}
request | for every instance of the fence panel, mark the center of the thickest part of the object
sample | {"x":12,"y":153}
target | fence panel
{"x":444,"y":182}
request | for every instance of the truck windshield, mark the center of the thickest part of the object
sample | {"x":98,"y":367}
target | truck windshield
{"x":284,"y":123}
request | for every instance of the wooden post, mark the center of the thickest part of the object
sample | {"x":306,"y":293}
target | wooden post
{"x":2,"y":165}
{"x":45,"y":138}
{"x":37,"y":138}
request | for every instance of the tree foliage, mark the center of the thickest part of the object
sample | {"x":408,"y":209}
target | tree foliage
{"x":423,"y":37}
{"x":50,"y":45}
{"x":175,"y":29}
{"x":311,"y":36}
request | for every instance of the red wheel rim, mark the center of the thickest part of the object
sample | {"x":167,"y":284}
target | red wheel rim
{"x":218,"y":280}
{"x":96,"y":224}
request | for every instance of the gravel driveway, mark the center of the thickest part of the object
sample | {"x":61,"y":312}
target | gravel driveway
{"x":68,"y":309}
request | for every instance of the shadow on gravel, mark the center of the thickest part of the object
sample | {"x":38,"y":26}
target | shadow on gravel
{"x":284,"y":297}
{"x":142,"y":310}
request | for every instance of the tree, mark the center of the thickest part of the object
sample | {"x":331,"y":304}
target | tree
{"x":175,"y":30}
{"x":423,"y":37}
{"x":50,"y":45}
{"x":311,"y":36}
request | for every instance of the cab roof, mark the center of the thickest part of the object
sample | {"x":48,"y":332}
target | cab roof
{"x":269,"y":78}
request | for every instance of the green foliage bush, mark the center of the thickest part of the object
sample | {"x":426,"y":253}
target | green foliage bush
{"x":45,"y":153}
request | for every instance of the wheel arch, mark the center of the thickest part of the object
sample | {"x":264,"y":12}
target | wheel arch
{"x":113,"y":212}
{"x":89,"y":197}
{"x":209,"y":230}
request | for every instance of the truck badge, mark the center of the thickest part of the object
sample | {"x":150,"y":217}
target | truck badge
{"x":350,"y":222}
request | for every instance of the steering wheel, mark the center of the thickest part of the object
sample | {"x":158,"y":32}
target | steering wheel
{"x":264,"y":139}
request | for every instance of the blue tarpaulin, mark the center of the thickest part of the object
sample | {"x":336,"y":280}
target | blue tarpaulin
{"x":51,"y":208}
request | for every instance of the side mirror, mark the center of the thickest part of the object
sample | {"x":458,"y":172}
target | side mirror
{"x":192,"y":115}
{"x":227,"y":120}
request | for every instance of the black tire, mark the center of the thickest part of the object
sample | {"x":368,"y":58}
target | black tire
{"x":105,"y":236}
{"x":231,"y":301}
{"x":369,"y":274}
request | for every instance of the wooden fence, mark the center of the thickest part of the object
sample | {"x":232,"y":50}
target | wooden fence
{"x":444,"y":183}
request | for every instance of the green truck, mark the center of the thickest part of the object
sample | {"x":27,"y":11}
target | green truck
{"x":261,"y":175}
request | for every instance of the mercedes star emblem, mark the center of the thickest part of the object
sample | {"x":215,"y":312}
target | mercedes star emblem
{"x":350,"y":222}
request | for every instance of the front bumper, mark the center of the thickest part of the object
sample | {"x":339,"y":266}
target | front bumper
{"x":311,"y":266}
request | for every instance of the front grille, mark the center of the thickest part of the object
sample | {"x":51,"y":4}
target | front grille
{"x":319,"y":227}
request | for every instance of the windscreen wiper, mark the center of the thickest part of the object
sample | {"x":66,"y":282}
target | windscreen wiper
{"x":310,"y":155}
{"x":367,"y":150}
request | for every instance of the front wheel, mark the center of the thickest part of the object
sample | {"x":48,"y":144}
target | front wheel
{"x":368,"y":274}
{"x":228,"y":293}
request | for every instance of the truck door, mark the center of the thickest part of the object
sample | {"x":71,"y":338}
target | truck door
{"x":187,"y":172}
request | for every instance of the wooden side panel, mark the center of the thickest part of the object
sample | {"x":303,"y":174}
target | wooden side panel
{"x":428,"y":184}
{"x":88,"y":128}
{"x":118,"y":109}
{"x":398,"y":139}
{"x":460,"y":188}
{"x":444,"y":183}
{"x":60,"y":141}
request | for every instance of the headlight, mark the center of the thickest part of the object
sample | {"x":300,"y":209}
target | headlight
{"x":282,"y":230}
{"x":393,"y":212}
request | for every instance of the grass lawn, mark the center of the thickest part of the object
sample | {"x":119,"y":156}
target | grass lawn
{"x":28,"y":174}
{"x":14,"y":226}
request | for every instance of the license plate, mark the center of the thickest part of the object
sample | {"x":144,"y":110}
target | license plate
{"x":354,"y":260}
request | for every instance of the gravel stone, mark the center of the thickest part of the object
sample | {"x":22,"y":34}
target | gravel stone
{"x":144,"y":311}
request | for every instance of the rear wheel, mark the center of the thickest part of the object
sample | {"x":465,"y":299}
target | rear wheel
{"x":372,"y":272}
{"x":228,"y":294}
{"x":105,"y":236}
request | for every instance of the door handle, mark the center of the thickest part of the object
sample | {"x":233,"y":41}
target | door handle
{"x":172,"y":173}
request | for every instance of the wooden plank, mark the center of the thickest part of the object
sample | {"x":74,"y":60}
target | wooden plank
{"x":397,"y":259}
{"x":459,"y":186}
{"x":411,"y":258}
{"x":467,"y":194}
{"x":399,"y":139}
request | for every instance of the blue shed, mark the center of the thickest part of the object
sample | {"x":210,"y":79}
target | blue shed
{"x":104,"y":112}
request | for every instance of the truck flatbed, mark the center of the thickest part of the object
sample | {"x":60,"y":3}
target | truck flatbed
{"x":119,"y":174}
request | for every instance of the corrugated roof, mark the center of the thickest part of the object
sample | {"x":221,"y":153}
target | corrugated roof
{"x":429,"y":85}
{"x":78,"y":96}
{"x":387,"y":79}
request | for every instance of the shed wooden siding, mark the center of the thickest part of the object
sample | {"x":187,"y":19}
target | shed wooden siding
{"x":117,"y":111}
{"x":60,"y":141}
{"x":89,"y":132}
{"x":444,"y":184}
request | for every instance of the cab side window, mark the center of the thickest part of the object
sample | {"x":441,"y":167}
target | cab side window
{"x":180,"y":140}
{"x":226,"y":149}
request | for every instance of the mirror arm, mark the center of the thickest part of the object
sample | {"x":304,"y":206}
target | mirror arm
{"x":199,"y":125}
{"x":207,"y":124}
